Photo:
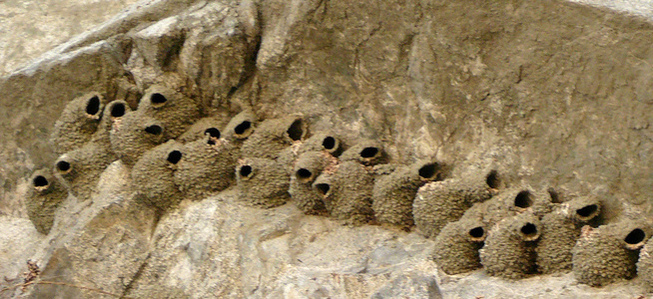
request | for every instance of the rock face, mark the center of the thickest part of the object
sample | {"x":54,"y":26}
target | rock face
{"x":553,"y":93}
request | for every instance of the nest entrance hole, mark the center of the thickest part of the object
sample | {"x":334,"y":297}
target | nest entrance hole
{"x":242,"y":128}
{"x":158,"y":99}
{"x":245,"y":171}
{"x":93,"y":105}
{"x":635,"y":237}
{"x":63,"y":166}
{"x":304,"y":174}
{"x":174,"y":157}
{"x":529,"y":230}
{"x":323,"y":188}
{"x":587,"y":211}
{"x":329,"y":143}
{"x":40,"y":181}
{"x":492,"y":180}
{"x":369,"y":152}
{"x":428,"y":171}
{"x":477,"y":233}
{"x":523,"y":200}
{"x":296,"y":130}
{"x":118,"y":110}
{"x":154,"y":130}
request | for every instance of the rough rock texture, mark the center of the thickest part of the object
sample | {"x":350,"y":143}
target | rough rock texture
{"x":557,"y":94}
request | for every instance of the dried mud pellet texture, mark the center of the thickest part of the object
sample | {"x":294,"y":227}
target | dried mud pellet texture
{"x":207,"y":167}
{"x":81,"y":168}
{"x":645,"y":265}
{"x":441,"y":202}
{"x":133,"y":135}
{"x":393,"y":194}
{"x":608,"y":253}
{"x":349,"y":193}
{"x":77,"y":123}
{"x":308,"y":167}
{"x":272,"y":136}
{"x":153,"y":176}
{"x":560,"y":231}
{"x":509,"y":250}
{"x":173,"y":110}
{"x":456,"y":247}
{"x":367,"y":152}
{"x":204,"y":126}
{"x":262,"y":182}
{"x":513,"y":201}
{"x":44,"y":196}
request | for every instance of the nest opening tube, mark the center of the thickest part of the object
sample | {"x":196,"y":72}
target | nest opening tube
{"x":329,"y":143}
{"x":118,"y":110}
{"x":63,"y":167}
{"x":492,"y":180}
{"x":529,"y":232}
{"x":40,"y":182}
{"x":245,"y":171}
{"x":243,"y":129}
{"x":174,"y":157}
{"x":428,"y":171}
{"x":296,"y":130}
{"x":154,"y":130}
{"x":587,"y":212}
{"x":369,"y":152}
{"x":477,"y":234}
{"x":304,"y":175}
{"x":323,"y":188}
{"x":635,"y":239}
{"x":523,"y":200}
{"x":158,"y":100}
{"x":93,"y":105}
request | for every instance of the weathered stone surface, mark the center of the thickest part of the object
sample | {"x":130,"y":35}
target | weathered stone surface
{"x":555,"y":94}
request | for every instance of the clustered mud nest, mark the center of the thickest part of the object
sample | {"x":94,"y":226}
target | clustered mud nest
{"x":476,"y":219}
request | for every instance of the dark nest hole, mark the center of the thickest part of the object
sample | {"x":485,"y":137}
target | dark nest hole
{"x":523,"y":200}
{"x":635,"y":237}
{"x":174,"y":157}
{"x":303,"y":174}
{"x":492,"y":180}
{"x":241,"y":128}
{"x":40,"y":181}
{"x":154,"y":130}
{"x":296,"y":130}
{"x":158,"y":99}
{"x":118,"y":110}
{"x":323,"y":188}
{"x":529,"y":230}
{"x":93,"y":105}
{"x":245,"y":171}
{"x":63,"y":166}
{"x":587,"y":211}
{"x":477,"y":233}
{"x":369,"y":152}
{"x":213,"y":132}
{"x":428,"y":171}
{"x":329,"y":143}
